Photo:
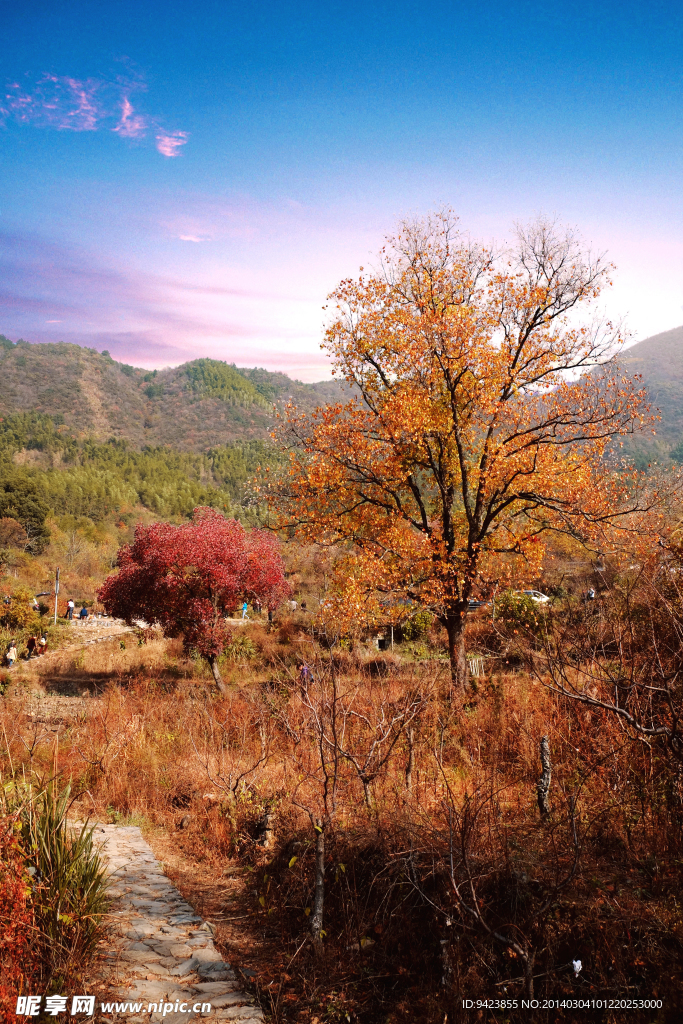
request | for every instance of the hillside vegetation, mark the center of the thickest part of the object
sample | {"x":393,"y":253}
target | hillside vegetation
{"x":208,"y":403}
{"x":45,"y":469}
{"x":72,"y":501}
{"x":659,"y":361}
{"x":193,"y":407}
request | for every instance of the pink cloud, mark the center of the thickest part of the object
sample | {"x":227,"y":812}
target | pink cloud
{"x":86,"y":105}
{"x":131,"y":125}
{"x":85,"y":112}
{"x":154,"y":349}
{"x":169,"y":143}
{"x":63,"y":103}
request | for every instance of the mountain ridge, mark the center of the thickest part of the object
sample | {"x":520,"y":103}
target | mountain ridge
{"x":199,"y":405}
{"x":207,"y":403}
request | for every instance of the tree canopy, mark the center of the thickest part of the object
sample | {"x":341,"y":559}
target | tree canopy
{"x":186,"y":578}
{"x":20,"y":500}
{"x":477,"y":425}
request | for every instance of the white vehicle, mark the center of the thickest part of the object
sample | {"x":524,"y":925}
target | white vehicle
{"x":536,"y":596}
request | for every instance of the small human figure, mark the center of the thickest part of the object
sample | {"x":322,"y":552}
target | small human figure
{"x":245,"y":608}
{"x":11,"y":655}
{"x":42,"y":645}
{"x":83,"y":614}
{"x":293,"y":605}
{"x":70,"y":606}
{"x":303,"y":606}
{"x":31,"y":647}
{"x":270,"y":615}
{"x":305,"y":675}
{"x":590,"y":596}
{"x":257,"y":606}
{"x":34,"y":604}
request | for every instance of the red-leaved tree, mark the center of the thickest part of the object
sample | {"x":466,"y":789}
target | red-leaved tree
{"x":185,"y":578}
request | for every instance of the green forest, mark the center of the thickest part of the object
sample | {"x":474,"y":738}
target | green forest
{"x":45,"y":470}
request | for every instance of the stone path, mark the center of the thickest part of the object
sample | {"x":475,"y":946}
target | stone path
{"x":163,"y":953}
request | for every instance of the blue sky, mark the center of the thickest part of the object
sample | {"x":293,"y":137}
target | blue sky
{"x":181,"y":180}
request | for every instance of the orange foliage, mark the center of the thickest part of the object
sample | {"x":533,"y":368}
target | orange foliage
{"x":475,"y":427}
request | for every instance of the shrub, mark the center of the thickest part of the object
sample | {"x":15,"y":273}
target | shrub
{"x":418,"y":626}
{"x":381,"y":666}
{"x":241,"y":648}
{"x":519,"y":610}
{"x":17,"y":954}
{"x":19,"y":613}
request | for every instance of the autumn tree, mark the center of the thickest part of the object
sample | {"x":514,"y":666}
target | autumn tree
{"x":184,"y":578}
{"x":12,"y":534}
{"x":477,"y":422}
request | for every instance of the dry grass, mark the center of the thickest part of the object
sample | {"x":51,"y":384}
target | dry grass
{"x":210,"y":778}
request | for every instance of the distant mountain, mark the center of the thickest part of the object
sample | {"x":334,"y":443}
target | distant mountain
{"x":207,"y":403}
{"x":659,"y":361}
{"x":193,"y":407}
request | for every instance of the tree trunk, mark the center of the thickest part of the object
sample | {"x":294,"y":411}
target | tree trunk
{"x":410,"y":736}
{"x":319,"y":896}
{"x":543,"y":784}
{"x":529,"y":975}
{"x":216,"y":672}
{"x":455,"y":628}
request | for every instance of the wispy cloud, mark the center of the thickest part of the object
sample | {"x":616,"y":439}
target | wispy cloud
{"x":131,"y":125}
{"x":169,"y":144}
{"x":64,"y":103}
{"x":87,"y":105}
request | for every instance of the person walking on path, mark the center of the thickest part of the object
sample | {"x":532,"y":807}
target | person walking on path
{"x":70,"y":606}
{"x":245,"y":609}
{"x":31,"y":647}
{"x":42,"y":645}
{"x":11,"y":654}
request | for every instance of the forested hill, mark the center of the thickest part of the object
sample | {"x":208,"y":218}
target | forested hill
{"x":199,"y":405}
{"x":659,"y":361}
{"x":207,"y":403}
{"x":45,"y":470}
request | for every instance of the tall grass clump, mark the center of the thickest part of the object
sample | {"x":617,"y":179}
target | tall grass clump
{"x":68,"y":882}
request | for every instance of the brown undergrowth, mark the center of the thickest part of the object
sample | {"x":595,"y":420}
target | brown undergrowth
{"x":412,"y":814}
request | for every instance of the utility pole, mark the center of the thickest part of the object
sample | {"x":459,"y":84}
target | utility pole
{"x":56,"y":592}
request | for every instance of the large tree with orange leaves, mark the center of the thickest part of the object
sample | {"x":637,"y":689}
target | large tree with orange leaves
{"x":476,"y":425}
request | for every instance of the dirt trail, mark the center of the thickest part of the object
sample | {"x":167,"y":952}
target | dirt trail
{"x":54,"y":709}
{"x":158,"y":951}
